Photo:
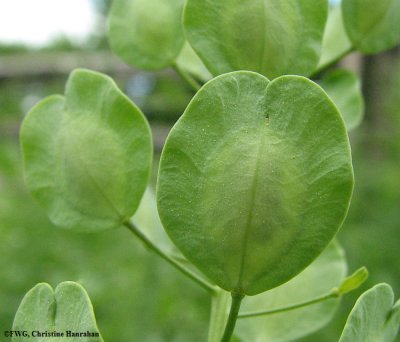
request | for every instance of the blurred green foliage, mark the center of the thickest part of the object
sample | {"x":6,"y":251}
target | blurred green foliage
{"x":135,"y":295}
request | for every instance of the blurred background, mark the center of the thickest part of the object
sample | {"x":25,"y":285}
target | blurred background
{"x":135,"y":294}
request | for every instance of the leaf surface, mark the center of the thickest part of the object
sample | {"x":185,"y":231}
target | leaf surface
{"x":372,"y":26}
{"x":374,"y":317}
{"x":147,"y":34}
{"x":87,"y":155}
{"x":67,"y":308}
{"x":266,"y":36}
{"x":255,"y":179}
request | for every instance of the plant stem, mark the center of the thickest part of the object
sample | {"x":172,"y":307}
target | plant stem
{"x":149,"y":244}
{"x":332,"y":294}
{"x":233,"y":316}
{"x":187,"y":78}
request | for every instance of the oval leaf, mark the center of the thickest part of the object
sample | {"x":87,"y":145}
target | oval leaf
{"x":267,"y":36}
{"x":67,"y":309}
{"x":255,"y":179}
{"x":372,"y":26}
{"x":147,"y":34}
{"x":344,"y":88}
{"x":373,"y":317}
{"x":87,"y":155}
{"x":326,"y":272}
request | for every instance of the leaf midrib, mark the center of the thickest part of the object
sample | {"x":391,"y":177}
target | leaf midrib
{"x":253,"y":191}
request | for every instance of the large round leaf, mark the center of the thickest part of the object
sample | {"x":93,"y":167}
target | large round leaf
{"x":372,"y":26}
{"x":374,"y":317}
{"x":65,"y":309}
{"x":147,"y":34}
{"x":87,"y":155}
{"x":267,"y":36}
{"x":255,"y":179}
{"x":324,"y":274}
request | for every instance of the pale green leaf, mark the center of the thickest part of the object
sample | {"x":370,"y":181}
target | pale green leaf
{"x":191,"y":63}
{"x":87,"y":155}
{"x":335,"y":43}
{"x":258,"y":171}
{"x":373,"y":318}
{"x":147,"y":34}
{"x":267,"y":36}
{"x":372,"y":26}
{"x":220,"y":304}
{"x":326,"y":272}
{"x":344,"y":88}
{"x":147,"y":219}
{"x":67,"y":308}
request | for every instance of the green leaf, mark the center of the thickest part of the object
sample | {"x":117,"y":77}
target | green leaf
{"x":191,"y":63}
{"x":372,"y":26}
{"x":87,"y":155}
{"x":67,"y":308}
{"x":147,"y":34}
{"x":319,"y":278}
{"x":255,"y":179}
{"x":344,"y":88}
{"x":220,"y":304}
{"x":147,"y":219}
{"x":373,"y":318}
{"x":354,"y":281}
{"x":267,"y":36}
{"x":335,"y":42}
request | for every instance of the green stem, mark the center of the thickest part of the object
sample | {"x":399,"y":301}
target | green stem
{"x":332,"y":294}
{"x":187,"y":78}
{"x":233,"y":316}
{"x":193,"y":276}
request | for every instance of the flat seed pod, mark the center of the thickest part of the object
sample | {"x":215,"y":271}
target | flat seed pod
{"x":67,"y":308}
{"x":147,"y":34}
{"x":255,"y":179}
{"x":87,"y":155}
{"x":372,"y":26}
{"x":374,"y":317}
{"x":271,"y":37}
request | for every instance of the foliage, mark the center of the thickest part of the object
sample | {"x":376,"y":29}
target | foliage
{"x":251,"y":164}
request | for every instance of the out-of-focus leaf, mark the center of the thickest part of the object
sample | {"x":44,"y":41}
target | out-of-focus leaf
{"x":335,"y":42}
{"x":87,"y":155}
{"x":245,"y":173}
{"x":373,"y":318}
{"x":220,"y":304}
{"x":326,"y":272}
{"x":191,"y":63}
{"x":372,"y":26}
{"x":344,"y":88}
{"x":67,"y":308}
{"x":267,"y":36}
{"x":147,"y":219}
{"x":147,"y":34}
